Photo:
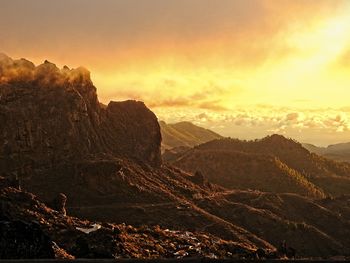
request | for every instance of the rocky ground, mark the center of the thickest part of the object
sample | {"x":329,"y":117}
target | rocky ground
{"x":30,"y":229}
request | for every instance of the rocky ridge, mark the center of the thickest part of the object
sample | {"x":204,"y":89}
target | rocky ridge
{"x":52,"y":116}
{"x":273,"y":163}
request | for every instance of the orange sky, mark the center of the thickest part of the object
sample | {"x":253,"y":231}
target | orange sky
{"x":245,"y":68}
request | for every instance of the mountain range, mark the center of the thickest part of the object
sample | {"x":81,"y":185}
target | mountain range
{"x":70,"y":165}
{"x":274,"y":164}
{"x":338,"y":152}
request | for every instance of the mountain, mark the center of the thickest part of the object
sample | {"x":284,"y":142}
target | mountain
{"x":273,"y":164}
{"x":58,"y":138}
{"x":300,"y":219}
{"x":274,"y":217}
{"x":53,"y":116}
{"x":64,"y":237}
{"x":313,"y":148}
{"x":184,"y":134}
{"x":73,"y":166}
{"x":338,"y":152}
{"x":239,"y":170}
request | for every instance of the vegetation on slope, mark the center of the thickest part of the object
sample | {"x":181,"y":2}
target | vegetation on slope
{"x":184,"y":134}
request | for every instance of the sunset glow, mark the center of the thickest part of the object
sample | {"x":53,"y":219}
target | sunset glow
{"x":242,"y":68}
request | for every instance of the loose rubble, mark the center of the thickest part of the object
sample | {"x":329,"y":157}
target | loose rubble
{"x":49,"y":234}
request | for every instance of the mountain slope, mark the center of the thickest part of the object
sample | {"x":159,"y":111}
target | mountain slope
{"x":184,"y":134}
{"x":338,"y":152}
{"x":296,"y":219}
{"x":65,"y":237}
{"x":314,"y":172}
{"x":239,"y":170}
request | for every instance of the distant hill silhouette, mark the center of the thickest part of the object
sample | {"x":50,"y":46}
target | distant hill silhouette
{"x":184,"y":134}
{"x":338,"y":152}
{"x":272,"y":164}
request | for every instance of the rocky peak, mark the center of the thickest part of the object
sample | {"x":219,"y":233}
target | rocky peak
{"x":53,"y":115}
{"x":135,"y":130}
{"x":277,"y":138}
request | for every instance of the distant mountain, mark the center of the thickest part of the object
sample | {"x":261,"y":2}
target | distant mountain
{"x":338,"y":152}
{"x":274,"y":164}
{"x":239,"y":170}
{"x":184,"y":134}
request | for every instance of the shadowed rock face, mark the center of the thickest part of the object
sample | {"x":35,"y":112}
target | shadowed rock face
{"x":50,"y":116}
{"x":132,"y":128}
{"x":22,"y":240}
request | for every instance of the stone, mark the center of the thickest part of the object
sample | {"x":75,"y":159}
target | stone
{"x":59,"y":203}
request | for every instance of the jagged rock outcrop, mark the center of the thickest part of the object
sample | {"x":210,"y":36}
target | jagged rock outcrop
{"x":132,"y":128}
{"x":50,"y":116}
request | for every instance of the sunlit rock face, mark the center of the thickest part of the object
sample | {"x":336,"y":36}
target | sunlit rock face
{"x":50,"y":116}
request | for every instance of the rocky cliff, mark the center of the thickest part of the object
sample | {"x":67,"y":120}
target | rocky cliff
{"x":51,"y":115}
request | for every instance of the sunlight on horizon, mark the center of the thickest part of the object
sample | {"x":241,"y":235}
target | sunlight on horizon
{"x":215,"y":60}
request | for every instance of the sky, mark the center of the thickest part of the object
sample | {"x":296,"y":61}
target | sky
{"x":243,"y":68}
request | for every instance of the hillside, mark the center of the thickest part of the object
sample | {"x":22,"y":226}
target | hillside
{"x":338,"y":152}
{"x":184,"y":134}
{"x":246,"y":164}
{"x":45,"y":233}
{"x":299,"y":221}
{"x":239,"y":170}
{"x":103,"y":163}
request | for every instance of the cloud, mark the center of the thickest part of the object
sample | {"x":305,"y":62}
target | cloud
{"x":306,"y":125}
{"x":343,"y":60}
{"x":292,"y":116}
{"x":246,"y":33}
{"x":22,"y":70}
{"x":170,"y":92}
{"x":185,"y":58}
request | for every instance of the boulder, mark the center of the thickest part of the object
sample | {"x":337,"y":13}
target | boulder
{"x":59,"y":203}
